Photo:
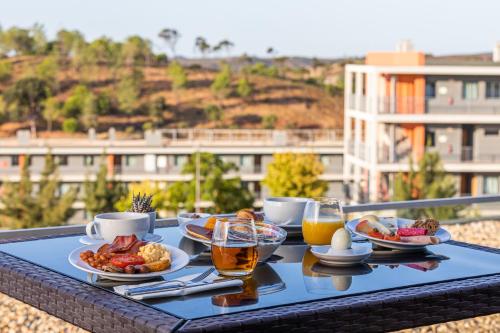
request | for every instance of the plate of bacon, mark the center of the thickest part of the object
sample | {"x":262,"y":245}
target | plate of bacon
{"x":128,"y":259}
{"x":399,"y":233}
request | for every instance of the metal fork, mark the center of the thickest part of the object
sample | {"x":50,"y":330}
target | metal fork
{"x":174,"y":283}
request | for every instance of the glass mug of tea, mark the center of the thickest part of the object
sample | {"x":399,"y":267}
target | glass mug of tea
{"x":322,"y":217}
{"x":234,"y":246}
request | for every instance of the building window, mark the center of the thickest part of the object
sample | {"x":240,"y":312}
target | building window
{"x":491,"y":131}
{"x":88,"y":160}
{"x":325,"y":160}
{"x":180,"y":160}
{"x":246,"y":160}
{"x":61,"y":160}
{"x":14,"y":160}
{"x":430,"y":89}
{"x":470,"y":90}
{"x":130,"y":160}
{"x":490,"y":185}
{"x":492,"y":89}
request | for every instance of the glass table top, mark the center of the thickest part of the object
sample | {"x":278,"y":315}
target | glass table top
{"x":293,"y":275}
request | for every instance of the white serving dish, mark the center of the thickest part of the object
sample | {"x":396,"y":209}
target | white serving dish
{"x":265,"y":248}
{"x":442,"y":234}
{"x":179,"y":260}
{"x":284,"y":210}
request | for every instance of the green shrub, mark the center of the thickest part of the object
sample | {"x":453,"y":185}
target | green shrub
{"x":178,"y":75}
{"x":221,"y":86}
{"x":213,"y":112}
{"x":147,"y":126}
{"x":269,"y":121}
{"x":70,"y":125}
{"x":244,"y":88}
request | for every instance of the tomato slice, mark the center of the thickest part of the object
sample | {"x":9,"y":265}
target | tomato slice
{"x":123,"y":260}
{"x":376,"y":234}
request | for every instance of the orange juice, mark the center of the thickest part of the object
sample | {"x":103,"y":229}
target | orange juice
{"x":320,"y":232}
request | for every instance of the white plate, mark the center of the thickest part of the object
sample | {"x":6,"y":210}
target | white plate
{"x":150,"y":238}
{"x":441,"y":233}
{"x":199,"y":222}
{"x":179,"y":260}
{"x":356,"y":254}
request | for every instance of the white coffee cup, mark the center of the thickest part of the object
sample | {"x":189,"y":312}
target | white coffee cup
{"x":109,"y":225}
{"x":285,"y":210}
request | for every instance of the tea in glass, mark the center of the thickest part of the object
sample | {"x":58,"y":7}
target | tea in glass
{"x":234,"y":247}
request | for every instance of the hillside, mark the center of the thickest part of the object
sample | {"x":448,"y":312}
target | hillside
{"x":295,"y":102}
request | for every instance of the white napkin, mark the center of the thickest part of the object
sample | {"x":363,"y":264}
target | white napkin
{"x":211,"y":282}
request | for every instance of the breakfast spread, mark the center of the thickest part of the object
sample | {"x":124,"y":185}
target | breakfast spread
{"x":421,"y":231}
{"x":128,"y":255}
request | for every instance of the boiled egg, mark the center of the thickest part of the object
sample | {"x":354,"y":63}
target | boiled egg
{"x":341,"y":240}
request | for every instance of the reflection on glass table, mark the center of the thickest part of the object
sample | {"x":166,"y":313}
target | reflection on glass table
{"x":263,"y":281}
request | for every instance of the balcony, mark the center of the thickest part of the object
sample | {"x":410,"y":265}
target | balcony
{"x":431,"y":105}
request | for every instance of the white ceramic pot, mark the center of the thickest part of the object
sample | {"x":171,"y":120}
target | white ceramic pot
{"x":108,"y":226}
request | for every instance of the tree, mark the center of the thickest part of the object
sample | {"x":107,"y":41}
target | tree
{"x":221,"y":86}
{"x":89,"y":111}
{"x":295,"y":175}
{"x":136,"y":51}
{"x":171,"y":37}
{"x":144,"y":187}
{"x":129,"y":91}
{"x":178,"y":75}
{"x":51,"y":111}
{"x":244,"y":88}
{"x":17,"y":40}
{"x":29,"y":94}
{"x":5,"y":71}
{"x":102,"y":194}
{"x":224,"y":45}
{"x":202,"y":46}
{"x":23,"y":208}
{"x":429,"y":181}
{"x":213,"y":112}
{"x":47,"y":70}
{"x":70,"y":125}
{"x":226,"y":194}
{"x":155,"y":110}
{"x":74,"y":104}
{"x":39,"y":39}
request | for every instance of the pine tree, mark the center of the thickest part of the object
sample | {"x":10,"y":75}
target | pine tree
{"x":101,"y":195}
{"x":429,"y":181}
{"x":22,"y":208}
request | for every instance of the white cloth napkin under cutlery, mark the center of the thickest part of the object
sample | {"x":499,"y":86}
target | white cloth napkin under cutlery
{"x":211,"y":282}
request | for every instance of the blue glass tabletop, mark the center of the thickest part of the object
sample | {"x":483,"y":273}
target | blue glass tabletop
{"x":292,"y":275}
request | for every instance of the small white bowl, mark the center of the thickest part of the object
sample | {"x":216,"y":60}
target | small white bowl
{"x":285,"y":210}
{"x":186,"y":217}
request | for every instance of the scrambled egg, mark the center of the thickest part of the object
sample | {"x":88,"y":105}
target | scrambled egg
{"x":154,"y":252}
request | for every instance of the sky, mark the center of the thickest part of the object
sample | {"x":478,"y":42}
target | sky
{"x":312,"y":28}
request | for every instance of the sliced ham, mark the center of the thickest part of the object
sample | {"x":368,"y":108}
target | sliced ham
{"x":431,"y":240}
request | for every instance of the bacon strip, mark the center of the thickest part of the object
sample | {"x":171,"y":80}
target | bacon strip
{"x":122,"y":243}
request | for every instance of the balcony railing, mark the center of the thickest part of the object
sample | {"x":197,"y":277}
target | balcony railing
{"x":415,"y":104}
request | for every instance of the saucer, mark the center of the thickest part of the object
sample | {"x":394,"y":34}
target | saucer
{"x":349,"y":257}
{"x":154,"y":238}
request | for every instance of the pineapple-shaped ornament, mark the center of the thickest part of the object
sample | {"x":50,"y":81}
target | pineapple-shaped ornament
{"x":142,"y":204}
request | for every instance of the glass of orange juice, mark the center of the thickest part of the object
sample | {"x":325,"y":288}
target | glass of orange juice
{"x":322,"y":217}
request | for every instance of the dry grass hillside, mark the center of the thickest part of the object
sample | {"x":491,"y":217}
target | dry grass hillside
{"x":295,"y":103}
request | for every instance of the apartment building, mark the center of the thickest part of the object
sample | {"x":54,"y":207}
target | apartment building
{"x":160,"y":155}
{"x":398,"y":106}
